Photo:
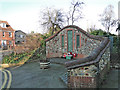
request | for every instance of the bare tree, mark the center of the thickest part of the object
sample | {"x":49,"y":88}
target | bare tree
{"x":52,"y":20}
{"x":75,"y":12}
{"x":107,"y":18}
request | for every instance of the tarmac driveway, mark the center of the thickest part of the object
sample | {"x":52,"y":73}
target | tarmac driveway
{"x":31,"y":76}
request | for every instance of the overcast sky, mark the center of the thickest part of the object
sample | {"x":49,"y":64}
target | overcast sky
{"x":24,"y":14}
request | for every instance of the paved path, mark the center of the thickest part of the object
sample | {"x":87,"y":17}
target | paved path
{"x":31,"y":76}
{"x":60,"y":60}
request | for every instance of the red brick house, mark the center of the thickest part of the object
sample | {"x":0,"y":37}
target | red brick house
{"x":7,"y":37}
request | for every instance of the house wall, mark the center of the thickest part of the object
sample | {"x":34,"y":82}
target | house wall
{"x":7,"y":38}
{"x":6,"y":28}
{"x":54,"y":45}
{"x":18,"y":38}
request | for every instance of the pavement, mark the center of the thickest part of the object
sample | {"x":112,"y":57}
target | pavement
{"x":60,"y":60}
{"x":1,"y":57}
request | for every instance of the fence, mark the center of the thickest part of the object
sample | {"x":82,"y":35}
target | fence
{"x":114,"y":49}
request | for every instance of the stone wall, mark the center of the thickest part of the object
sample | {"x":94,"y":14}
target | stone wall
{"x":93,"y":57}
{"x":90,"y":76}
{"x":55,"y":49}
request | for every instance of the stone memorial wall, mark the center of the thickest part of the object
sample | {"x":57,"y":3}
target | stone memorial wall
{"x":54,"y":45}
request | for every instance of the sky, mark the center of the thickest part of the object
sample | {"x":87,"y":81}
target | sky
{"x":25,"y":14}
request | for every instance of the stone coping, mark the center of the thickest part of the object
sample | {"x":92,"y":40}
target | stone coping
{"x":81,"y":30}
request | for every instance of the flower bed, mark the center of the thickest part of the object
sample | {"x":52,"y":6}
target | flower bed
{"x":15,"y":59}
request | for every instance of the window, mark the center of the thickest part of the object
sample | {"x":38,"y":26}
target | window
{"x":21,"y":36}
{"x":3,"y":25}
{"x":62,"y":40}
{"x":7,"y":25}
{"x":78,"y":41}
{"x":3,"y":34}
{"x":10,"y":42}
{"x":10,"y":34}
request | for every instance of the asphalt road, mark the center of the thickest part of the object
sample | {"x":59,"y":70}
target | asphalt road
{"x":6,"y":78}
{"x":31,"y":76}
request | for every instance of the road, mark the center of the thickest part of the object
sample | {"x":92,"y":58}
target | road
{"x":31,"y":76}
{"x":6,"y":78}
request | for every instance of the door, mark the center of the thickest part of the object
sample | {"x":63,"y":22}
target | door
{"x":70,"y":41}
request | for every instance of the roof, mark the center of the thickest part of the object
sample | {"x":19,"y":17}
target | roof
{"x":20,"y":31}
{"x":81,"y":30}
{"x":4,"y":22}
{"x":9,"y":28}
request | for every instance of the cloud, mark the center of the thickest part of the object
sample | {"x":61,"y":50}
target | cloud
{"x":26,"y":21}
{"x":24,"y":14}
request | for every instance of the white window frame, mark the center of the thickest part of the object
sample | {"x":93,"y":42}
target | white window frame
{"x":21,"y":36}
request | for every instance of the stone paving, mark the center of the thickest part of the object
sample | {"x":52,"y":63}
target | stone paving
{"x":59,"y":60}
